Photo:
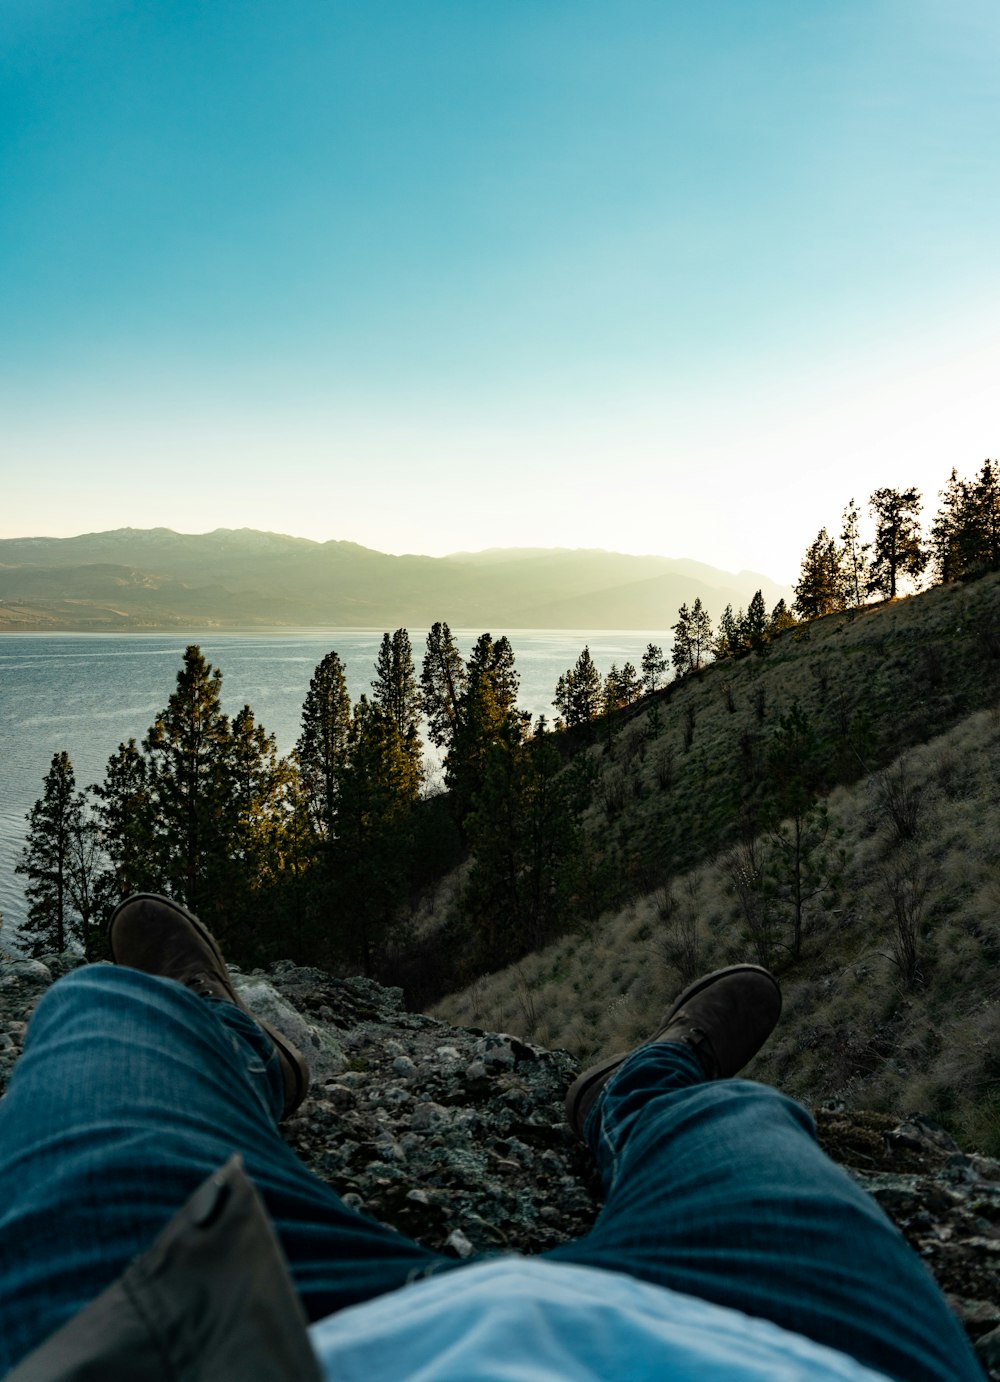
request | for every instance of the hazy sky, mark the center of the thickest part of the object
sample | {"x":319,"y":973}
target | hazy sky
{"x":649,"y":275}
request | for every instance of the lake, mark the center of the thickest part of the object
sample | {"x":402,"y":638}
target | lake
{"x":86,"y":693}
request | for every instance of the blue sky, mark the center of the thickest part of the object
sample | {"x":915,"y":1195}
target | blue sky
{"x":428,"y":275}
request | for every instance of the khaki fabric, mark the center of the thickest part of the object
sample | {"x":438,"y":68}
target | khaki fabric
{"x":211,"y":1299}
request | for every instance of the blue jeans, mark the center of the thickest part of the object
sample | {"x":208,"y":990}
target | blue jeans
{"x":131,"y":1091}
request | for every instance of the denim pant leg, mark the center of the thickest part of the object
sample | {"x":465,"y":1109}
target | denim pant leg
{"x":720,"y":1190}
{"x":130,"y":1092}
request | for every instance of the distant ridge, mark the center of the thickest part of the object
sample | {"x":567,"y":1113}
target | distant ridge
{"x":133,"y":579}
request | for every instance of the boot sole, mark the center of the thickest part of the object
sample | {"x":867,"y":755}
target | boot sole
{"x":296,"y":1062}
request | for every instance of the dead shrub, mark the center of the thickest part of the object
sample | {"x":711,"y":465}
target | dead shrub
{"x":899,"y":800}
{"x":678,"y":943}
{"x":690,"y":718}
{"x":611,"y":793}
{"x":634,"y":744}
{"x":949,"y":774}
{"x":664,"y":768}
{"x":744,"y":867}
{"x":526,"y":1004}
{"x":902,"y":890}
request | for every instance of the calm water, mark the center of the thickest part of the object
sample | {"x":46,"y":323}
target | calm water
{"x":85,"y":693}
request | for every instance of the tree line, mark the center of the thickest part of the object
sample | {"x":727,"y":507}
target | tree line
{"x":837,"y":573}
{"x":963,"y":542}
{"x":318,"y":856}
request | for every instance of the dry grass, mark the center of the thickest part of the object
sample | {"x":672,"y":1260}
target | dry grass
{"x":860,"y":1027}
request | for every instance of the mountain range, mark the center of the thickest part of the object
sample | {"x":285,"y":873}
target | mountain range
{"x":132,"y":579}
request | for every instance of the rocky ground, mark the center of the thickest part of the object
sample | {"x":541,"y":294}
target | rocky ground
{"x":456,"y":1136}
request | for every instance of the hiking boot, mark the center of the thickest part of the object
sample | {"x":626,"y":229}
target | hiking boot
{"x":161,"y":937}
{"x":725,"y":1017}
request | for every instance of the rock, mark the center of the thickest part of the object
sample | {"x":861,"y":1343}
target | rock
{"x":457,"y":1244}
{"x":30,"y":971}
{"x":988,"y":1351}
{"x":320,"y":1048}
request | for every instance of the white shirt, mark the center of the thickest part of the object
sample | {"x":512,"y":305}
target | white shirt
{"x":518,"y":1319}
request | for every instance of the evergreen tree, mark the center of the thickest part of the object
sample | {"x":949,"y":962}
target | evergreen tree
{"x":692,"y":638}
{"x":629,"y":686}
{"x":52,"y":859}
{"x":321,"y":748}
{"x":653,"y":666}
{"x":263,"y":798}
{"x":526,"y":841}
{"x":898,"y":551}
{"x":379,"y":786}
{"x":820,"y":587}
{"x":442,"y":685}
{"x":965,"y":536}
{"x":395,"y":693}
{"x":612,"y":698}
{"x":487,"y":711}
{"x":980,"y":534}
{"x":728,"y":638}
{"x":579,"y":692}
{"x":188,"y":753}
{"x":948,"y":546}
{"x":781,"y":618}
{"x":853,"y":559}
{"x":123,"y":814}
{"x":756,"y":623}
{"x":394,"y":690}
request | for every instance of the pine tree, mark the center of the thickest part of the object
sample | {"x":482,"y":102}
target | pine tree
{"x":982,"y":537}
{"x":756,"y":623}
{"x":653,"y":666}
{"x":820,"y":587}
{"x":781,"y":618}
{"x":188,"y":753}
{"x":526,"y":841}
{"x":853,"y":558}
{"x":965,"y":536}
{"x":53,"y":860}
{"x":692,"y":638}
{"x":579,"y":692}
{"x":629,"y":686}
{"x":728,"y":638}
{"x":395,"y":693}
{"x":123,"y":814}
{"x":394,"y":690}
{"x":377,"y":791}
{"x":442,"y":685}
{"x":321,"y":748}
{"x":487,"y":711}
{"x":947,"y":531}
{"x":898,"y":551}
{"x":262,"y":800}
{"x":612,"y":698}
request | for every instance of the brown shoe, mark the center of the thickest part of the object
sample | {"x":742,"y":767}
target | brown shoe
{"x":161,"y":937}
{"x":725,"y":1017}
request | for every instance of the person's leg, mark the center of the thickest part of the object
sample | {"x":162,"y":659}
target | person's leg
{"x":130,"y":1092}
{"x":718,"y":1189}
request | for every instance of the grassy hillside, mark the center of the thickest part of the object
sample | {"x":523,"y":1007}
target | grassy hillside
{"x":893,"y":1001}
